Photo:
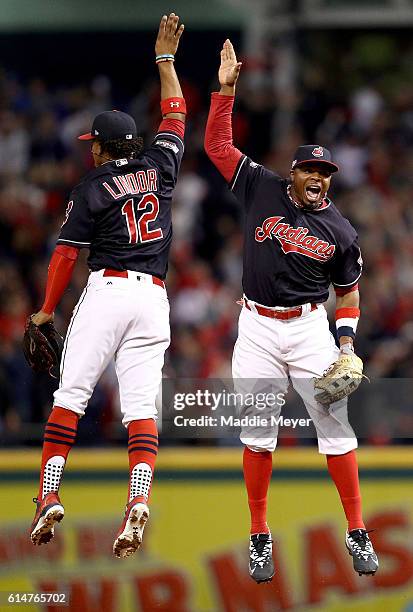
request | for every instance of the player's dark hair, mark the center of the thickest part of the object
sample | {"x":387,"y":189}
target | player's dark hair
{"x":119,"y":148}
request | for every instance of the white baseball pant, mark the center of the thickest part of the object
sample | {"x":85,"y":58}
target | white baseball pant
{"x":122,"y":318}
{"x":277,"y":351}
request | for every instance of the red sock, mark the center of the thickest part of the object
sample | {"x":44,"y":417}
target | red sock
{"x":59,"y":437}
{"x":257,"y":476}
{"x":344,"y":471}
{"x":143,"y":450}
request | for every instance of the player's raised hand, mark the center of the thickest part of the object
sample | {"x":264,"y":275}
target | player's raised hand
{"x":168,"y":35}
{"x":230,"y":68}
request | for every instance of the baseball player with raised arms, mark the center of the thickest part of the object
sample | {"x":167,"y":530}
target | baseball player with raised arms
{"x":296,"y":243}
{"x":121,"y":212}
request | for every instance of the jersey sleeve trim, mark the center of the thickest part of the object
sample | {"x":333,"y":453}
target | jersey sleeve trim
{"x":348,"y":284}
{"x":346,"y":291}
{"x":234,"y":180}
{"x":73,"y":242}
{"x":171,"y":134}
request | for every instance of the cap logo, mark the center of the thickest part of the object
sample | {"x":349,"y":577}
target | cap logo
{"x":294,"y":163}
{"x":128,"y":136}
{"x":96,"y":132}
{"x":318,"y":152}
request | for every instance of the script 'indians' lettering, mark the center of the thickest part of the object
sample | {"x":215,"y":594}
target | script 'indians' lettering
{"x":294,"y":239}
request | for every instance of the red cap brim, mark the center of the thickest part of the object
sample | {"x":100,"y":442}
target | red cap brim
{"x":88,"y":136}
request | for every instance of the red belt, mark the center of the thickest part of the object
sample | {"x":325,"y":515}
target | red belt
{"x":124,"y":274}
{"x":279,"y":314}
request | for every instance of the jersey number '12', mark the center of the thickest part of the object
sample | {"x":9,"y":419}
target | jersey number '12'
{"x":139,"y":231}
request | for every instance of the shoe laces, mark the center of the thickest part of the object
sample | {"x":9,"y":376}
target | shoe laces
{"x":36,"y":500}
{"x":261,"y":549}
{"x":361,"y":542}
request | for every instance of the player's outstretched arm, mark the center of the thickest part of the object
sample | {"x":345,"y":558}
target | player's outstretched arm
{"x":229,"y":69}
{"x":166,"y":46}
{"x":218,"y":134}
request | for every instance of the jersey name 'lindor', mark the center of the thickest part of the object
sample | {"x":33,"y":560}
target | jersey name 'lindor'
{"x":132,"y":183}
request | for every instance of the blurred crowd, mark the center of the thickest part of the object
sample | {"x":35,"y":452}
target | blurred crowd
{"x":370,"y":132}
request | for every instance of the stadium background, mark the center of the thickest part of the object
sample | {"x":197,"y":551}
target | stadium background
{"x":319,"y":70}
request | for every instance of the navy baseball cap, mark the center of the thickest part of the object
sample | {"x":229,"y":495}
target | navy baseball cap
{"x":313,"y":153}
{"x":111,"y":124}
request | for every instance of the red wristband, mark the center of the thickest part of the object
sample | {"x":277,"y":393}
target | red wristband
{"x":347,"y":313}
{"x":173,"y":105}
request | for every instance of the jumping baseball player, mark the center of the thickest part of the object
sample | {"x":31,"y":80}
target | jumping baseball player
{"x":296,"y":244}
{"x":121,"y":212}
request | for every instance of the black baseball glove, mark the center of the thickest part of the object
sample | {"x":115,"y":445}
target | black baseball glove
{"x":42,"y":347}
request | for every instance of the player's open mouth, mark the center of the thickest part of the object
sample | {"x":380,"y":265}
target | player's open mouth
{"x":313,"y":193}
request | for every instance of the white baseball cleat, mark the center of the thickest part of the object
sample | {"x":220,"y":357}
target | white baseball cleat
{"x":129,"y":536}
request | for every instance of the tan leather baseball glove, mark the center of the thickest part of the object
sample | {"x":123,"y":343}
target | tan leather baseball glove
{"x":340,"y":379}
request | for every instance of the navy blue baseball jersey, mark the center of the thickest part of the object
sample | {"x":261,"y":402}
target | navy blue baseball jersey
{"x":291,"y":255}
{"x":121,"y":210}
